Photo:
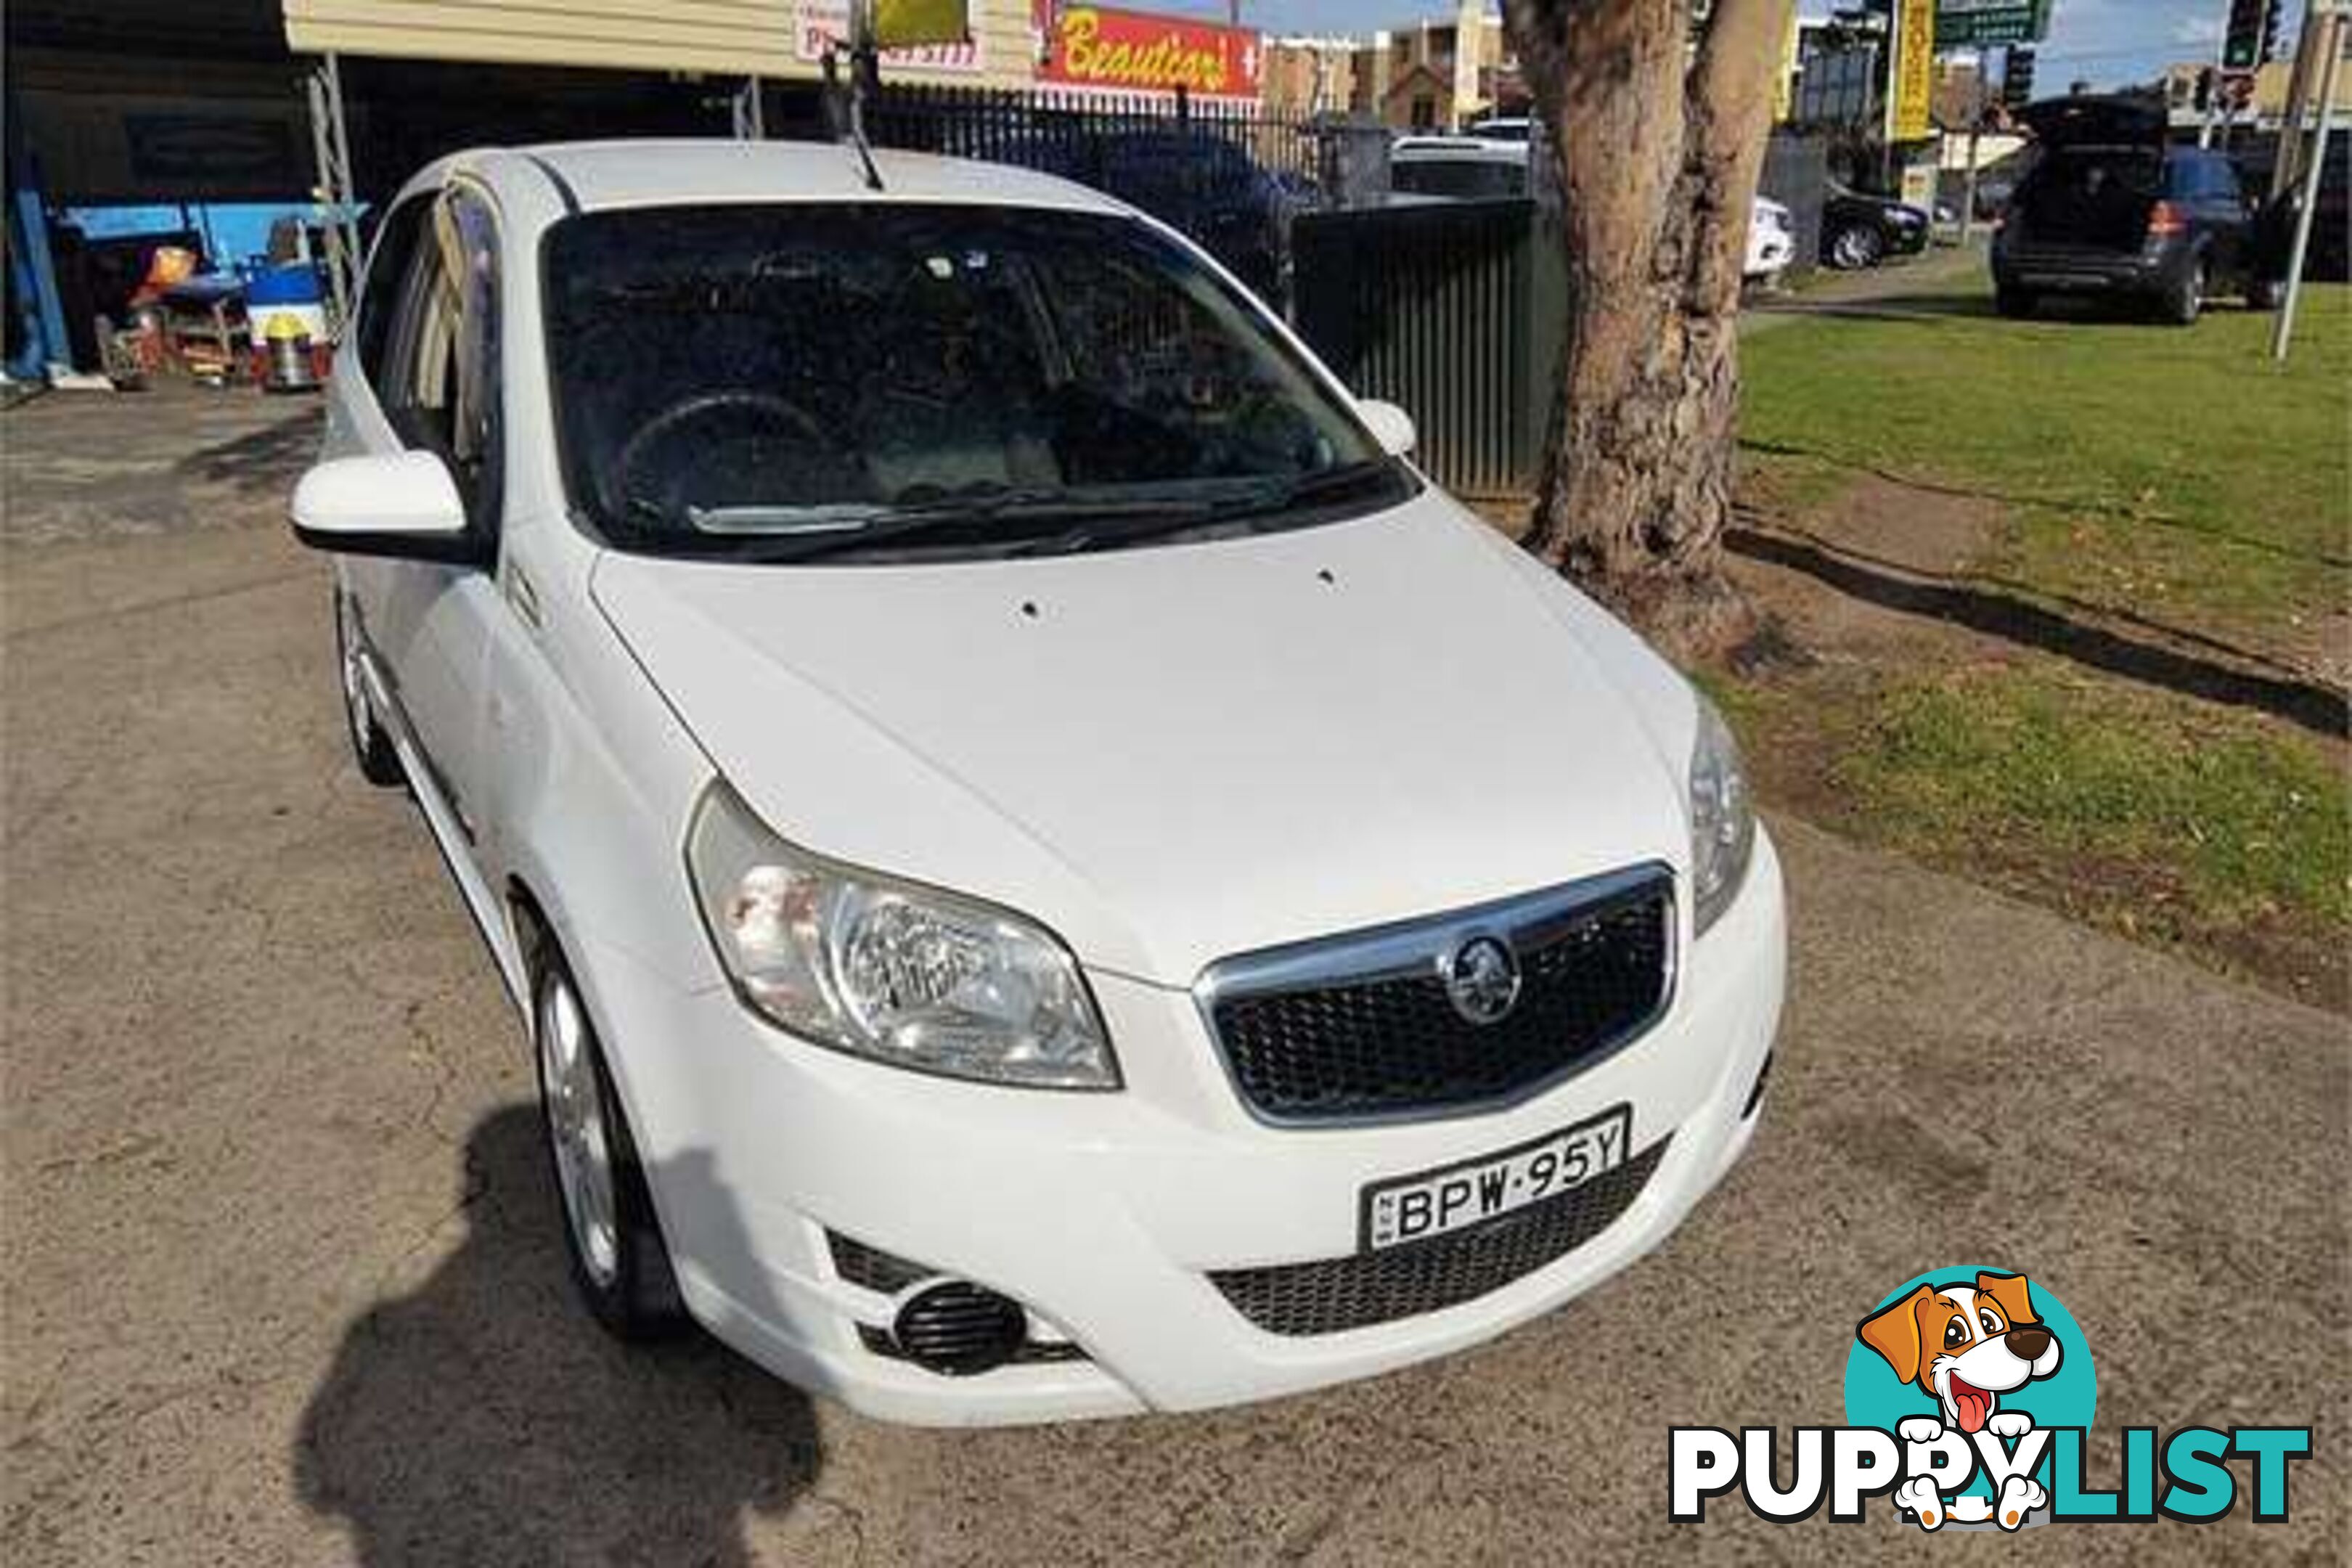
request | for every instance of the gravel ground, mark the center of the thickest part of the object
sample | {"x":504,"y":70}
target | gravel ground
{"x":278,"y":1267}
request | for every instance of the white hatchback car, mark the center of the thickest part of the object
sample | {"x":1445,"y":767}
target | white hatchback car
{"x":1048,"y":871}
{"x":1771,"y":240}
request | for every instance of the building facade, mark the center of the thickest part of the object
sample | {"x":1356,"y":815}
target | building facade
{"x":1440,"y":73}
{"x":1305,"y":76}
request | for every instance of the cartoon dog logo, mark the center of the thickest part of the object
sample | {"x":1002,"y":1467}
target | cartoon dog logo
{"x":1965,"y":1343}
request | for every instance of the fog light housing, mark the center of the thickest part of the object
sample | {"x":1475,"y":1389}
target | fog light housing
{"x":960,"y":1330}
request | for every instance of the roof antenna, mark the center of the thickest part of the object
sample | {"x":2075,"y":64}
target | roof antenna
{"x":847,"y":111}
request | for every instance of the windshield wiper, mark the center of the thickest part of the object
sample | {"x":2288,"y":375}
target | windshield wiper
{"x":930,"y":521}
{"x":1305,"y":490}
{"x":783,"y":534}
{"x":1265,"y":499}
{"x":777,"y":522}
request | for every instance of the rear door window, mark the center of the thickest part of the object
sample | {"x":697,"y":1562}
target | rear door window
{"x":2200,"y":177}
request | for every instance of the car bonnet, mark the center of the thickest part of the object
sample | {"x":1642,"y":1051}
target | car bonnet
{"x":1172,"y":754}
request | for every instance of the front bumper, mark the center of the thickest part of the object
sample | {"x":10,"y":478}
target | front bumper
{"x":1104,"y":1213}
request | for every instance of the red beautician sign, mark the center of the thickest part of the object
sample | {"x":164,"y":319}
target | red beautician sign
{"x":1130,"y":51}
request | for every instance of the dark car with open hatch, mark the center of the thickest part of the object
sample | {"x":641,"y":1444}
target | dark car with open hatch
{"x":2111,"y":208}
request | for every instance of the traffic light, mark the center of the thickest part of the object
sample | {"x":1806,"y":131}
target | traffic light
{"x":2252,"y":36}
{"x":2017,"y":77}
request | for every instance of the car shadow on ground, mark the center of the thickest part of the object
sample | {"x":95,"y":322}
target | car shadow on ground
{"x":482,"y":1418}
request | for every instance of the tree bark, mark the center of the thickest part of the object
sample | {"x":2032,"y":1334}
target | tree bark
{"x":1658,"y":147}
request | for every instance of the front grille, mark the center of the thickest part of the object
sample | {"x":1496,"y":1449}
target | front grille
{"x":1316,"y":1032}
{"x":1367,"y":1288}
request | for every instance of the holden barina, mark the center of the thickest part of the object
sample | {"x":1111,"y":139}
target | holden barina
{"x":1047,"y":871}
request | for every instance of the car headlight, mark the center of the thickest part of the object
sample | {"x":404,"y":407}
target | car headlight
{"x":887,"y":970}
{"x":1722,"y":819}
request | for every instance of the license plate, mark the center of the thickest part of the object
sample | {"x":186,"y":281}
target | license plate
{"x":1455,"y":1197}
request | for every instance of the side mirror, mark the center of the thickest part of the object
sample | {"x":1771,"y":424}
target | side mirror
{"x":1392,"y":427}
{"x":402,"y":505}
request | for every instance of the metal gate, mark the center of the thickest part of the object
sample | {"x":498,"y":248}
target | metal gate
{"x":1453,"y":311}
{"x":1230,"y":175}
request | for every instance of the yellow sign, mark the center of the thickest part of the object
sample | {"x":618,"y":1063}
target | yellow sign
{"x":1914,"y":72}
{"x":909,"y":24}
{"x":1784,"y":86}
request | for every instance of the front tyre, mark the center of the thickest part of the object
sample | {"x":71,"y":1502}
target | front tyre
{"x":619,"y":1264}
{"x":371,"y":748}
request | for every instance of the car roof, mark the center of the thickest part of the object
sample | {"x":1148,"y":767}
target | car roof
{"x":595,"y":176}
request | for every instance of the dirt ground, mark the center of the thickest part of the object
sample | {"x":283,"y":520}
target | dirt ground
{"x":1880,"y":581}
{"x":279,"y":1275}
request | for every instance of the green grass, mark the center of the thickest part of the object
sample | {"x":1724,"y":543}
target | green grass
{"x":2178,"y":473}
{"x":2177,"y":477}
{"x":2246,"y":823}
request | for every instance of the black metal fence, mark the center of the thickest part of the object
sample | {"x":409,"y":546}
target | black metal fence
{"x":1796,"y":174}
{"x":1452,"y":309}
{"x":1227,"y":174}
{"x":1455,"y":311}
{"x":1059,"y":130}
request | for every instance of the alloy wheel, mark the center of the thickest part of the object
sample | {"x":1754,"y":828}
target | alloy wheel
{"x":1855,"y":248}
{"x":355,"y":702}
{"x":578,"y":1131}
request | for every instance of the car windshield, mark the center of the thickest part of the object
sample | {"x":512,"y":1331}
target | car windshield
{"x":795,"y":382}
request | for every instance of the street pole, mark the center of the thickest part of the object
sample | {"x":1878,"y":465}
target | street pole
{"x":1976,"y":134}
{"x":1894,"y":37}
{"x":1968,"y":188}
{"x":2220,"y":63}
{"x":2294,"y":134}
{"x":2330,"y":62}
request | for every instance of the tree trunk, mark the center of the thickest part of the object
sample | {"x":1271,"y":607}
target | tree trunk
{"x":1658,"y":151}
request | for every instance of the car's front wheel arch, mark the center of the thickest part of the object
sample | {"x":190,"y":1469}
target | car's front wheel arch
{"x":634,"y":1293}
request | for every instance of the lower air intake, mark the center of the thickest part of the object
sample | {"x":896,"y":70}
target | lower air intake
{"x":1335,"y":1294}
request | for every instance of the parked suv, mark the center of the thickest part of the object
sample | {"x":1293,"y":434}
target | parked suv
{"x":1048,"y":872}
{"x":2110,"y":209}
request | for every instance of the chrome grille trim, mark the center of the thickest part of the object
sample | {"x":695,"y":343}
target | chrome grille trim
{"x":1411,"y":950}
